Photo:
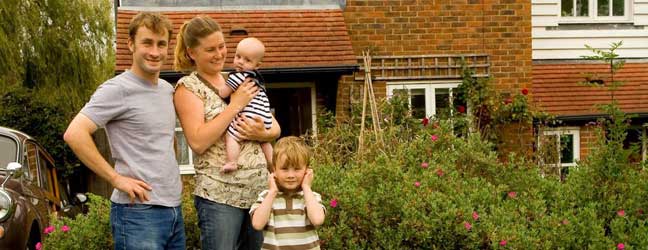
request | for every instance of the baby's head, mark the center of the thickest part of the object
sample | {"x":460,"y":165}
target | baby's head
{"x":249,"y":53}
{"x":291,"y":159}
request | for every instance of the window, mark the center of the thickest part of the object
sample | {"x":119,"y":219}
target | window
{"x":44,"y":171}
{"x":186,"y":157}
{"x":427,"y":99}
{"x":8,"y":150}
{"x":559,"y":148}
{"x":594,"y":10}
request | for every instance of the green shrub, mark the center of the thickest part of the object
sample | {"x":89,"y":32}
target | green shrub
{"x":86,"y":231}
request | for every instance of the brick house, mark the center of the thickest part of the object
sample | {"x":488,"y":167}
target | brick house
{"x":313,"y":49}
{"x":560,"y":29}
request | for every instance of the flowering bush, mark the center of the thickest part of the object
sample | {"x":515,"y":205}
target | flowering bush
{"x":427,"y":188}
{"x":85,"y":231}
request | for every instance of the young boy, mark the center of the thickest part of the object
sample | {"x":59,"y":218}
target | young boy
{"x":289,"y":210}
{"x":249,"y":53}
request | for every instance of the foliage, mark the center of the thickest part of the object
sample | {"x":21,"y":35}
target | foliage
{"x":85,"y":231}
{"x":54,"y":54}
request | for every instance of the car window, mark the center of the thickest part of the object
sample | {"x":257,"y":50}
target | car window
{"x":8,"y":148}
{"x":44,"y":171}
{"x":31,"y":160}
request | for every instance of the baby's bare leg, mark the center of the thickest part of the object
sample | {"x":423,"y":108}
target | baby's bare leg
{"x":266,"y":147}
{"x":232,"y":150}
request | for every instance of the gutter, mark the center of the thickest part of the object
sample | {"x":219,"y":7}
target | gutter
{"x":341,"y":69}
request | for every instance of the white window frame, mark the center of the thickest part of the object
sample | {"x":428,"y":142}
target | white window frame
{"x":593,"y":17}
{"x":575,"y":131}
{"x":185,"y":168}
{"x":429,"y":88}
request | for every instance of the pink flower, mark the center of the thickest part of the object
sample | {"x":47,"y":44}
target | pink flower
{"x":39,"y":246}
{"x":475,"y":215}
{"x":333,"y":203}
{"x":424,"y":165}
{"x":65,"y":228}
{"x":525,"y":91}
{"x":467,"y":225}
{"x":621,"y":213}
{"x":461,"y":109}
{"x":512,"y":194}
{"x":417,"y":184}
{"x":439,"y":172}
{"x":49,"y":230}
{"x":425,"y":121}
{"x":434,"y":137}
{"x":565,"y":222}
{"x":620,"y":246}
{"x":503,"y":243}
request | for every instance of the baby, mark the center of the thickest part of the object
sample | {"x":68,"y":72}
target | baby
{"x":249,"y":53}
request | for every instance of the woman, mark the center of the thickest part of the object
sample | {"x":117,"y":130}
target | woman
{"x":222,"y":200}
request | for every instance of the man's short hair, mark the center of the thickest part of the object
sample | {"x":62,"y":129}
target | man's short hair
{"x":153,"y":21}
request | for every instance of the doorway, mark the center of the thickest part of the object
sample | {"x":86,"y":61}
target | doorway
{"x":293,"y":106}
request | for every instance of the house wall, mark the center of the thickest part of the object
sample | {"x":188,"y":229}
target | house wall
{"x":559,"y":38}
{"x":499,"y":28}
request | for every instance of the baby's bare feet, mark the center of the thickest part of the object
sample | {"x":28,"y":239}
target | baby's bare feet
{"x":228,"y":167}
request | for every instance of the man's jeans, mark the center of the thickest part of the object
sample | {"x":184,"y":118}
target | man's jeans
{"x":139,"y":226}
{"x":224,"y":227}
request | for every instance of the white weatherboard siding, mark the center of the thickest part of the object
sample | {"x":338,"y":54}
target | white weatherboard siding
{"x":554,"y":39}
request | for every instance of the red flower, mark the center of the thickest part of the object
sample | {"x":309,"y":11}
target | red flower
{"x":621,"y":213}
{"x":417,"y":184}
{"x":512,"y":194}
{"x":525,"y":91}
{"x":439,"y":172}
{"x":461,"y":109}
{"x":424,"y":165}
{"x":434,"y":137}
{"x":333,"y":203}
{"x":425,"y":121}
{"x":503,"y":243}
{"x":640,"y":211}
{"x":467,"y":225}
{"x":508,"y":101}
{"x":620,"y":246}
{"x":475,"y":215}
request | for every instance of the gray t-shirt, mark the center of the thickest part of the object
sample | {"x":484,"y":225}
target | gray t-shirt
{"x":140,"y":123}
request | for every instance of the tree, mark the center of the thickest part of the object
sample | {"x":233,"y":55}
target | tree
{"x":53,"y":54}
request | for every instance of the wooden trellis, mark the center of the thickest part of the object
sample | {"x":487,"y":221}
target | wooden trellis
{"x":368,"y":96}
{"x":424,"y":67}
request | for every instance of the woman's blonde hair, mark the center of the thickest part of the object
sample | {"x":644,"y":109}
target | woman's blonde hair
{"x":294,"y":150}
{"x":196,"y":28}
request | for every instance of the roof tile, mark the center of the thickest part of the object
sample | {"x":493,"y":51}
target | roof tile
{"x":293,"y":38}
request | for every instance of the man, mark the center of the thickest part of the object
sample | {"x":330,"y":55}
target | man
{"x":136,"y":109}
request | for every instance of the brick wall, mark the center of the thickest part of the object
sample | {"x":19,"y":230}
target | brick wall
{"x":500,"y":28}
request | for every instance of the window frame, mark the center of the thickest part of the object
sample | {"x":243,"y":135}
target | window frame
{"x":184,"y":168}
{"x":593,"y":16}
{"x":429,"y":88}
{"x":575,"y":131}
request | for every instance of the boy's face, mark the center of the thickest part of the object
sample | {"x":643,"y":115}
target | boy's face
{"x":248,"y":56}
{"x":289,"y":177}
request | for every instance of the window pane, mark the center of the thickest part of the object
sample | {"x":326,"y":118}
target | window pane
{"x":45,"y":175}
{"x":548,"y":150}
{"x":582,"y":8}
{"x":442,"y":101}
{"x":618,"y":8}
{"x":603,"y":7}
{"x":567,"y":149}
{"x":417,"y":100}
{"x":8,"y":148}
{"x":183,"y":157}
{"x":567,"y":7}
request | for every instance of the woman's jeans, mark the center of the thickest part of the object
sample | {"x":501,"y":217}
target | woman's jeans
{"x":224,"y":227}
{"x":139,"y":226}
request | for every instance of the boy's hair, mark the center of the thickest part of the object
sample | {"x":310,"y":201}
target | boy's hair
{"x":293,"y":149}
{"x":153,"y":21}
{"x":192,"y":30}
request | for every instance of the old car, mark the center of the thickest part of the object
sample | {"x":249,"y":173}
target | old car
{"x":31,"y":191}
